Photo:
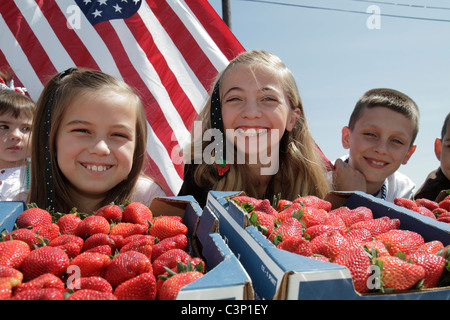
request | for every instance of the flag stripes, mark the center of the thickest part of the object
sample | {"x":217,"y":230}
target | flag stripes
{"x":169,"y":51}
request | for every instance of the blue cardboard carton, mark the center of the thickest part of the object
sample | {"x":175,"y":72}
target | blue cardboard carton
{"x":225,"y":277}
{"x":9,"y":211}
{"x":281,"y":275}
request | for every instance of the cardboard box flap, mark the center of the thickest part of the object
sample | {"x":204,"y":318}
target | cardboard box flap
{"x":9,"y":211}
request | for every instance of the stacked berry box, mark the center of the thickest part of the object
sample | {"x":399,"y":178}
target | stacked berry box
{"x":281,"y":272}
{"x":123,"y":255}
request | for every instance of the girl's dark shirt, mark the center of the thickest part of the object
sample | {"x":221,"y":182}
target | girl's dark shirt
{"x":433,"y":185}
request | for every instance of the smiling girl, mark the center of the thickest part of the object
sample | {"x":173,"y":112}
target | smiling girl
{"x":256,"y":105}
{"x":90,"y":144}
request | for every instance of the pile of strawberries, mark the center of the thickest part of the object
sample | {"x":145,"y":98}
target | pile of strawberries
{"x":117,"y":253}
{"x":439,"y":211}
{"x":381,"y":257}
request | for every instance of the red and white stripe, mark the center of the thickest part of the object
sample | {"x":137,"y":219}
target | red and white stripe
{"x":169,"y":51}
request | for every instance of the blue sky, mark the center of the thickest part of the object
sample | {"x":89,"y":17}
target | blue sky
{"x":336,"y":57}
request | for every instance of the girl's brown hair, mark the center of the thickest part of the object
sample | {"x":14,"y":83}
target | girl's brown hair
{"x":55,"y":98}
{"x":301,"y":168}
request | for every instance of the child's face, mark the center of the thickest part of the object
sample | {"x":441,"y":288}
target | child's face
{"x":256,"y":108}
{"x":14,"y":140}
{"x":95,"y":142}
{"x":442,"y":150}
{"x":379,"y":143}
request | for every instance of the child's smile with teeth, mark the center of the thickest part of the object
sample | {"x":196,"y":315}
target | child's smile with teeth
{"x":97,"y":168}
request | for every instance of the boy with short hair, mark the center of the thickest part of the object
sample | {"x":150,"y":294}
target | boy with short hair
{"x":380,"y":137}
{"x":438,"y":179}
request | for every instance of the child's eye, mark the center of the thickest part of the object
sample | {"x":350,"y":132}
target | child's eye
{"x":397,"y":141}
{"x":26,"y":129}
{"x":121,"y":135}
{"x":80,"y":130}
{"x":369,"y":134}
{"x":4,"y":127}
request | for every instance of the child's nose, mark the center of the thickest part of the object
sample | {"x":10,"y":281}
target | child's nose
{"x":380,"y":146}
{"x":251,"y":110}
{"x":100,"y":147}
{"x":16,"y":134}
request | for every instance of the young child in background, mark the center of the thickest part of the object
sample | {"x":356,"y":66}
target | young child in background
{"x":16,"y":116}
{"x":90,"y":144}
{"x":266,"y":147}
{"x":380,"y":137}
{"x":439,"y":179}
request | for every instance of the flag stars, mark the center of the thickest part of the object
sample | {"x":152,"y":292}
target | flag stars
{"x":102,"y":2}
{"x":117,"y":8}
{"x":86,"y":2}
{"x":97,"y":13}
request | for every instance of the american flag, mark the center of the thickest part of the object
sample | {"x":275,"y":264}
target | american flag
{"x":169,"y":51}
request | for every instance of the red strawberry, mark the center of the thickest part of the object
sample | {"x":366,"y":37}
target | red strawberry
{"x":262,"y":221}
{"x":289,"y":211}
{"x":358,"y":262}
{"x":144,"y":246}
{"x":406,"y":203}
{"x":430,"y":247}
{"x":176,"y":242}
{"x":283,"y":204}
{"x":336,"y":221}
{"x":25,"y":235}
{"x":445,"y":204}
{"x":13,"y":253}
{"x":425,"y":212}
{"x":71,"y":244}
{"x":289,"y":228}
{"x":169,"y":259}
{"x":14,"y":274}
{"x":314,"y":231}
{"x":310,"y":216}
{"x":125,"y":266}
{"x":166,"y":227}
{"x":429,"y":204}
{"x":44,"y":281}
{"x":48,"y":231}
{"x":6,"y":287}
{"x":99,"y":239}
{"x":133,"y":237}
{"x":401,"y":240}
{"x":297,"y":245}
{"x":138,"y":213}
{"x":68,"y":223}
{"x":376,"y":226}
{"x":398,"y":274}
{"x":105,"y":249}
{"x":353,"y":216}
{"x":245,"y":199}
{"x":91,"y":283}
{"x":356,"y":237}
{"x":329,"y":244}
{"x":266,"y":207}
{"x":141,"y":287}
{"x":376,"y":245}
{"x":92,"y":225}
{"x":111,"y":212}
{"x":172,"y":285}
{"x":315,"y":202}
{"x":434,"y":266}
{"x":126,"y":229}
{"x":44,"y":260}
{"x":39,"y":294}
{"x":91,"y":264}
{"x":89,"y":294}
{"x":33,"y":217}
